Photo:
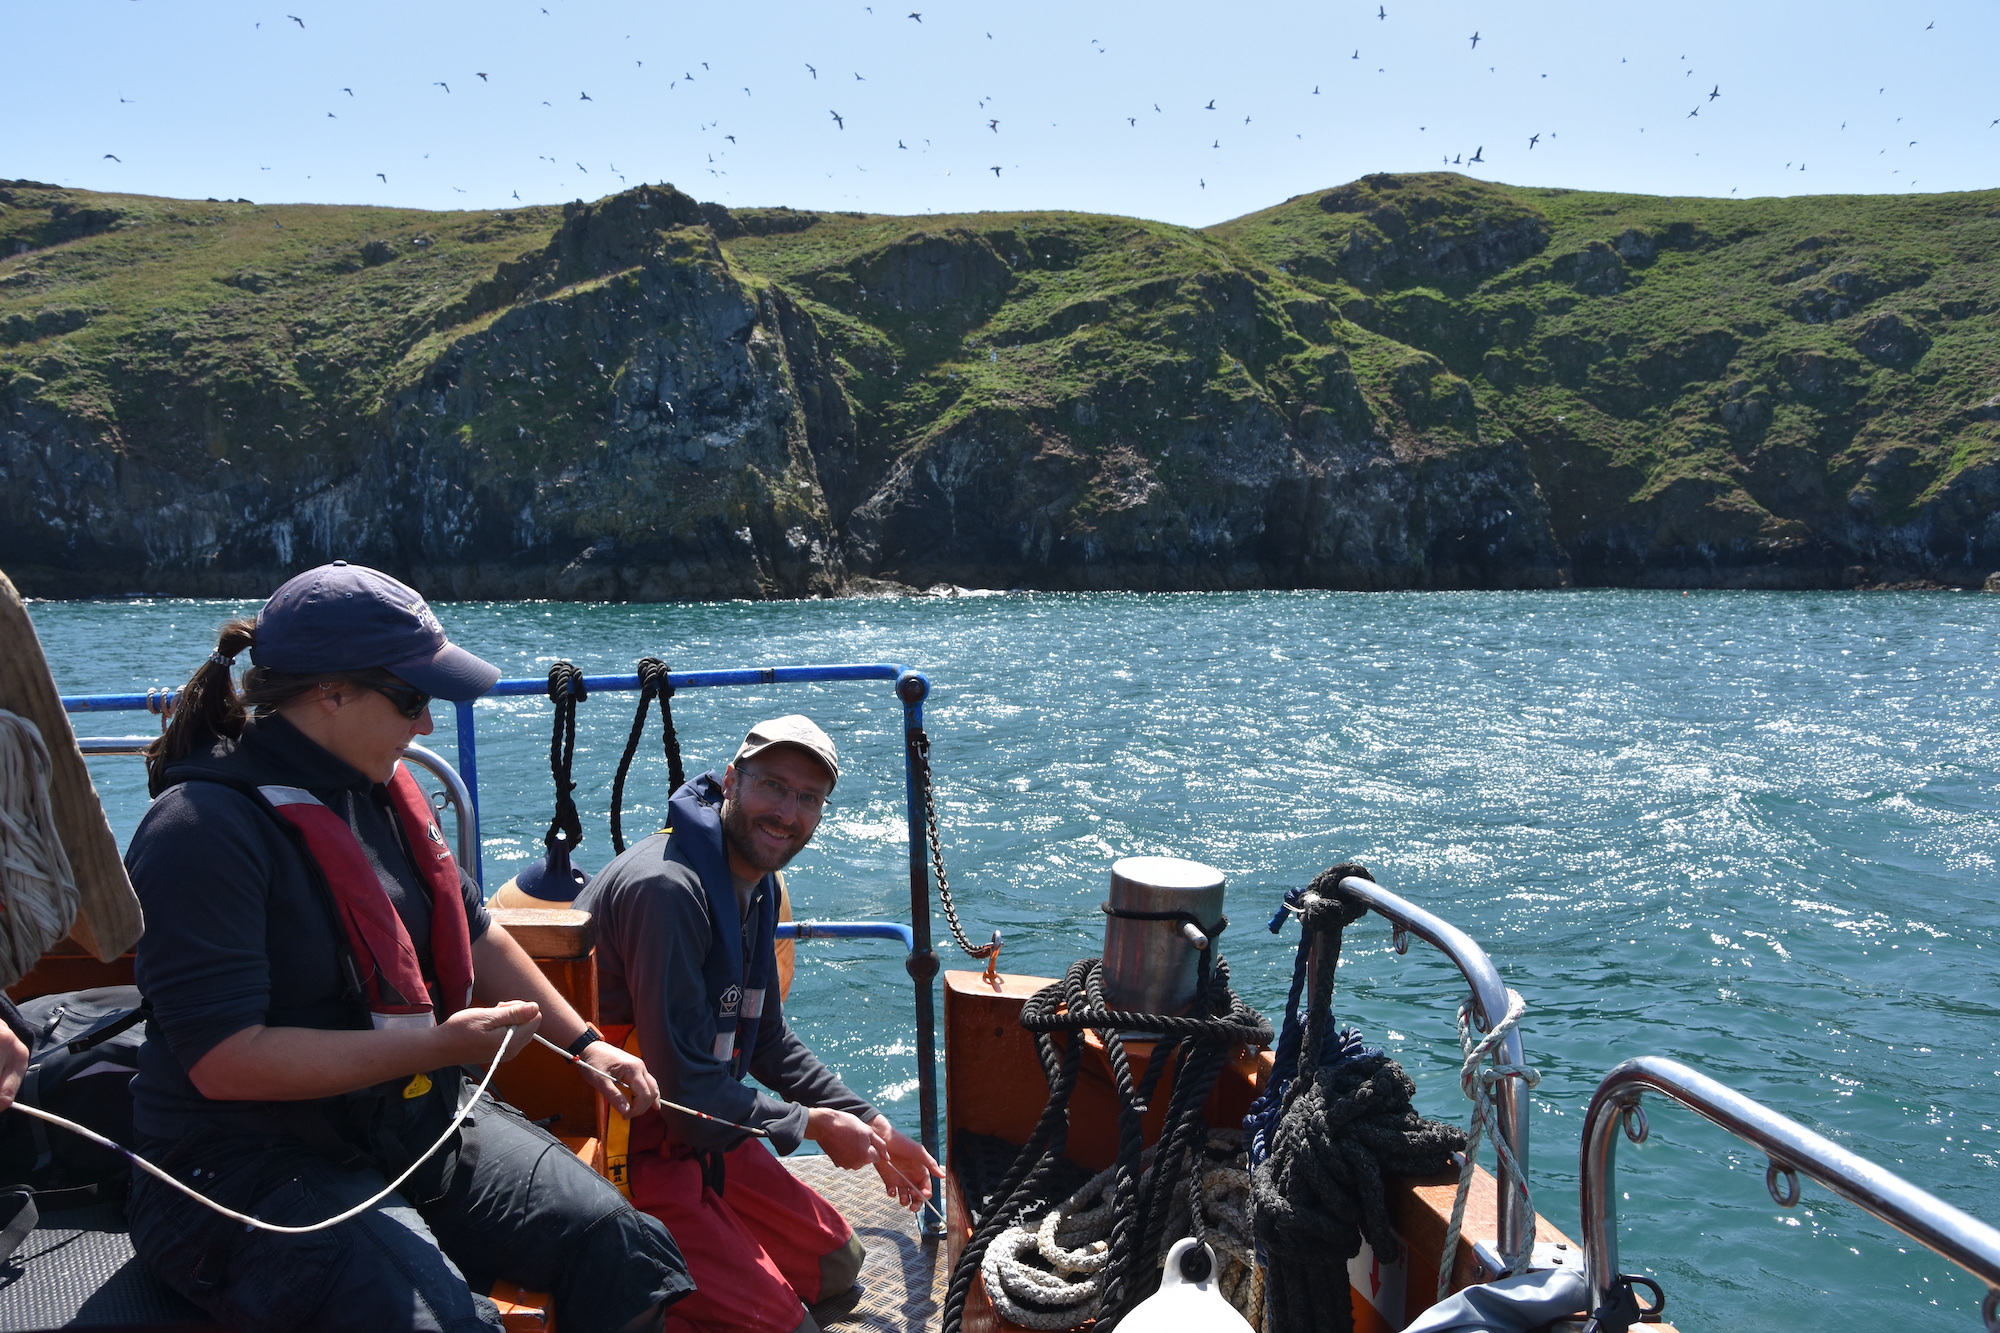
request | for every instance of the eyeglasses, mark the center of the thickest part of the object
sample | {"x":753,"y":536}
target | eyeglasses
{"x":408,"y":699}
{"x":771,"y":790}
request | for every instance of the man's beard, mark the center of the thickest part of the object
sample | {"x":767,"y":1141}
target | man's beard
{"x":743,"y":839}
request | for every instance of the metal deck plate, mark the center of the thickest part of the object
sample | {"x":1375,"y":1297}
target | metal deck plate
{"x":77,"y":1270}
{"x":903,"y":1278}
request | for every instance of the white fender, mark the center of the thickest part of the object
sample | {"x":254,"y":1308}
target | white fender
{"x":1181,"y":1306}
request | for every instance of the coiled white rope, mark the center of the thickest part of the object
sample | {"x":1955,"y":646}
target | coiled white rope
{"x":465,"y":1109}
{"x":1050,"y":1274}
{"x":1477,"y":1085}
{"x":38,"y":893}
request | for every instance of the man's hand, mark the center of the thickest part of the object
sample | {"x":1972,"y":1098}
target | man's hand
{"x":906,"y":1169}
{"x":602,"y":1063}
{"x":474,"y":1034}
{"x":843,"y":1137}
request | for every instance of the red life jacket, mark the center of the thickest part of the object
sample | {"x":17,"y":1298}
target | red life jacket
{"x":392,"y":977}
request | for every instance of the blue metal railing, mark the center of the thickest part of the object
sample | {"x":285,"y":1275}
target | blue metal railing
{"x":912,"y":688}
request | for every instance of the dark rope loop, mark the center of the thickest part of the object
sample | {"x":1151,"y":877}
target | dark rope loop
{"x":1195,"y":1046}
{"x":566,"y":691}
{"x":654,"y":683}
{"x":1347,"y":1124}
{"x":919,"y":743}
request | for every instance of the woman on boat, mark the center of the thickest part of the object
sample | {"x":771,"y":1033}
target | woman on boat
{"x":319,"y":970}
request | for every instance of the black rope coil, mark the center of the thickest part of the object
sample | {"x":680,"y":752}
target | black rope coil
{"x":1201,"y":1044}
{"x":1346,"y":1125}
{"x":566,"y":691}
{"x":654,"y":683}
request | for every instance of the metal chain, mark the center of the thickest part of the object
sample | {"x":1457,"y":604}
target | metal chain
{"x":920,"y":748}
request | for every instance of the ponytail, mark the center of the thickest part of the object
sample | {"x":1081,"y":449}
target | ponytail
{"x":207,"y":708}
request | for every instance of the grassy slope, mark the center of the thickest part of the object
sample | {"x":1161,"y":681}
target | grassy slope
{"x":1682,"y":370}
{"x":1624,"y":369}
{"x":268,"y":324}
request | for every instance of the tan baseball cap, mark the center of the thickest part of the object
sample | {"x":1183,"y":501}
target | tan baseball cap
{"x":793,"y":729}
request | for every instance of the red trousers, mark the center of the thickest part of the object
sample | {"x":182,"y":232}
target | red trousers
{"x":753,"y":1250}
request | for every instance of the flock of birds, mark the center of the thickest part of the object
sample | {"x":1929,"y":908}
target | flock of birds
{"x":838,"y":119}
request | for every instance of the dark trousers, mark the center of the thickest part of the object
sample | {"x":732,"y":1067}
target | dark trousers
{"x":519,"y":1206}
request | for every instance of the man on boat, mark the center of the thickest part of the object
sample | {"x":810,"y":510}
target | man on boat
{"x":685,"y":921}
{"x":319,"y":971}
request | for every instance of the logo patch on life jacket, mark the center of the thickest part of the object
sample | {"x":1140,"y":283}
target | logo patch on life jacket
{"x":732,"y":999}
{"x":434,"y":835}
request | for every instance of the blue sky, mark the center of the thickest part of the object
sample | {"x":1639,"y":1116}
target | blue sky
{"x":1080,"y":104}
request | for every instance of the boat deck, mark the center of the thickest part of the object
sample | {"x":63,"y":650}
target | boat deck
{"x":904,"y":1277}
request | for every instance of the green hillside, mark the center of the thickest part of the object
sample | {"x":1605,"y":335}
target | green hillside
{"x":1406,"y":381}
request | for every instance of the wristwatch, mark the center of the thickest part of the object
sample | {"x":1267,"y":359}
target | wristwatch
{"x":583,"y":1040}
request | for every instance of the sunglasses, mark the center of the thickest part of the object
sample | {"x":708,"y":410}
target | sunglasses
{"x":408,"y":699}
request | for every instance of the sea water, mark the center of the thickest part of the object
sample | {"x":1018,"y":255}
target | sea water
{"x":1754,"y":832}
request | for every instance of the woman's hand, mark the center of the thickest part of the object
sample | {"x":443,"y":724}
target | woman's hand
{"x":472,"y":1035}
{"x":606,"y":1067}
{"x":906,"y":1169}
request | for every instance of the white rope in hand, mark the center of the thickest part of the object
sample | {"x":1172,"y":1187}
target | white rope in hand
{"x":38,"y":893}
{"x":1477,"y":1085}
{"x":465,"y":1109}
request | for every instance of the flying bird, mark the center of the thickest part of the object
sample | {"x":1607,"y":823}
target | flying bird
{"x":993,"y":125}
{"x":482,"y":77}
{"x":810,"y":70}
{"x":837,"y":119}
{"x":1315,"y":90}
{"x":1694,"y":113}
{"x":1356,"y":55}
{"x":440,"y":83}
{"x":730,"y":137}
{"x":1479,"y":154}
{"x":296,"y":19}
{"x":1715,"y":92}
{"x":114,"y":157}
{"x":348,"y":91}
{"x":331,"y":116}
{"x":517,"y":194}
{"x":1381,"y":12}
{"x":1246,"y":120}
{"x":900,"y":144}
{"x":384,"y":179}
{"x":1533,"y":139}
{"x":915,"y":15}
{"x":1475,"y":41}
{"x":995,"y":171}
{"x":1133,"y":121}
{"x":585,"y":170}
{"x":1210,"y":106}
{"x":585,"y":97}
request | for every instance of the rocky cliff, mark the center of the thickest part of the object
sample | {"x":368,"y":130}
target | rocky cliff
{"x":1415,"y":381}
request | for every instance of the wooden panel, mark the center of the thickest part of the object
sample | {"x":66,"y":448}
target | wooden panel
{"x":76,"y":970}
{"x":547,"y":932}
{"x":110,"y":921}
{"x":541,"y":1083}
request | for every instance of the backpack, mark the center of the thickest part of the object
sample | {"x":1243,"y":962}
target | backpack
{"x":84,"y":1051}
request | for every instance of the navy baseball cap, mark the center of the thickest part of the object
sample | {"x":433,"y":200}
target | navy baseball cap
{"x":343,"y":617}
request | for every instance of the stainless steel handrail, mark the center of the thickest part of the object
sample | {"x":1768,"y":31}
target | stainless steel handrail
{"x":456,"y":792}
{"x":1792,"y":1148}
{"x":457,"y":795}
{"x":1489,"y":998}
